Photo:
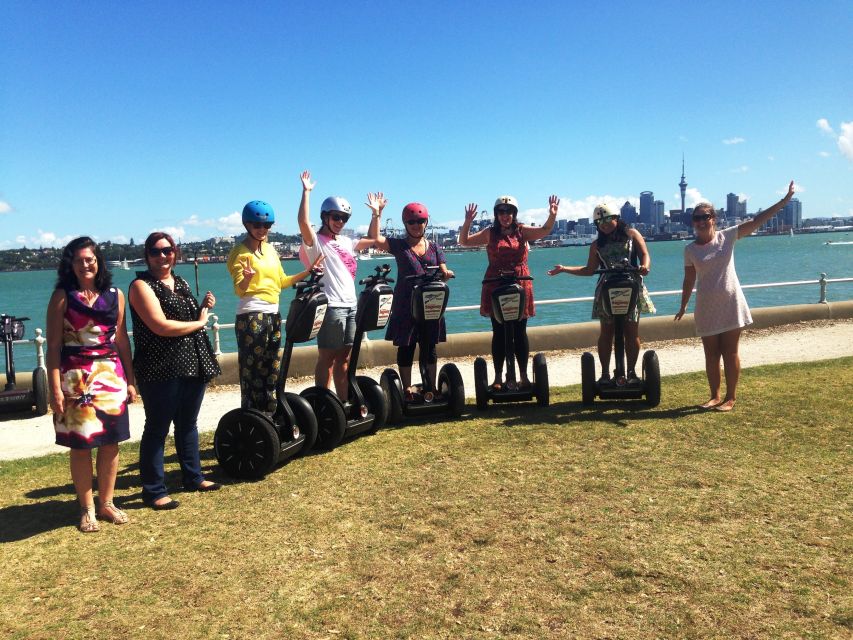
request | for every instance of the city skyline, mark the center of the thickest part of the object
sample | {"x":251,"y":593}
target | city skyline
{"x":129,"y":120}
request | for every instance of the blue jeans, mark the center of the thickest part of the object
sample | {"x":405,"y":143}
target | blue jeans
{"x":178,"y":401}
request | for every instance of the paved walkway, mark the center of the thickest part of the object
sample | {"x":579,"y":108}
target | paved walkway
{"x":25,"y":436}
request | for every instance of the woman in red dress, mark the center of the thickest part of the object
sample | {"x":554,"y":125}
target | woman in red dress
{"x":506,"y":244}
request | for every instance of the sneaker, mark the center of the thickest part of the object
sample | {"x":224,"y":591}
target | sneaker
{"x":604,"y":379}
{"x":632,"y":377}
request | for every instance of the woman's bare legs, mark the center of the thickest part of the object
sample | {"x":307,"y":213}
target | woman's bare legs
{"x":729,"y":342}
{"x":711,"y":345}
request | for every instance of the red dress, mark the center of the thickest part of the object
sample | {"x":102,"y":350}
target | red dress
{"x":506,"y":253}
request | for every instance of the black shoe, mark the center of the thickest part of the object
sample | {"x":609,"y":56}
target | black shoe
{"x":632,"y":377}
{"x":213,"y":486}
{"x":604,"y":379}
{"x":165,"y":506}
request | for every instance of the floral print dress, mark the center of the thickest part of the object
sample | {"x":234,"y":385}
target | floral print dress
{"x":91,"y":374}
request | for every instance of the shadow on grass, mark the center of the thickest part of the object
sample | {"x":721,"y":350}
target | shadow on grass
{"x":615,"y":412}
{"x":22,"y":521}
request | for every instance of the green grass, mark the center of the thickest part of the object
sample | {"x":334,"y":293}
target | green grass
{"x":614,"y":521}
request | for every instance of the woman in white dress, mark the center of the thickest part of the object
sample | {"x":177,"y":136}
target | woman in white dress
{"x":721,"y":311}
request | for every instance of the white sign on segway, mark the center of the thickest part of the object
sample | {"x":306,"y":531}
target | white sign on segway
{"x":510,"y":304}
{"x":318,"y":320}
{"x":433,"y":304}
{"x":620,"y":300}
{"x":384,"y":310}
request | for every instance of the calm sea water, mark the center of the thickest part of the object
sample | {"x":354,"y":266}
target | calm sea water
{"x":758,"y":260}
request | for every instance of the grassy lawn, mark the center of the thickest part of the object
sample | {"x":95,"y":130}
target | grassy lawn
{"x":609,"y":522}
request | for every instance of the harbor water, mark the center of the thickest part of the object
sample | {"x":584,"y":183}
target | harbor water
{"x":758,"y":260}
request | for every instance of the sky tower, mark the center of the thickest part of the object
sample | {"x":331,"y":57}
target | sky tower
{"x":683,"y":186}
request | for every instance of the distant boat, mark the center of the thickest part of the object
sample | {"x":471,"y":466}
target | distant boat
{"x":577,"y":240}
{"x":792,"y":232}
{"x":372,"y":254}
{"x":839,"y":242}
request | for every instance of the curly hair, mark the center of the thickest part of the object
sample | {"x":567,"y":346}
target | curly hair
{"x":65,"y":272}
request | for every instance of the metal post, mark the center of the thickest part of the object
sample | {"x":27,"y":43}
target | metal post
{"x":216,"y":350}
{"x":39,"y":341}
{"x":822,"y":289}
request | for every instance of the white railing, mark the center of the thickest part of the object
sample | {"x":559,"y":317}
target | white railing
{"x":216,"y":327}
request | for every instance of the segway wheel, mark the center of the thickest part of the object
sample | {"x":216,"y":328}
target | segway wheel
{"x":392,"y":388}
{"x":540,"y":380}
{"x":587,"y":379}
{"x":651,"y":378}
{"x":481,"y":383}
{"x":375,"y":399}
{"x":40,"y":391}
{"x":451,"y":385}
{"x":306,"y":421}
{"x":331,"y":418}
{"x":246,"y":444}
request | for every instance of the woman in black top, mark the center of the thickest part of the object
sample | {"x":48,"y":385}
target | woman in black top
{"x":173,"y":362}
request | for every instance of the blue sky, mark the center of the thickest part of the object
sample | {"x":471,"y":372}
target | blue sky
{"x":117,"y":119}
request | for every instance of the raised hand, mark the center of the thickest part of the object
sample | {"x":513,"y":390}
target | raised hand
{"x":471,"y":212}
{"x":553,"y":205}
{"x":790,"y":193}
{"x":307,"y":185}
{"x":376,"y":202}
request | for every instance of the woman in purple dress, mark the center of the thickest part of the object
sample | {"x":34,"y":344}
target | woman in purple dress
{"x":413,"y":254}
{"x":90,"y":375}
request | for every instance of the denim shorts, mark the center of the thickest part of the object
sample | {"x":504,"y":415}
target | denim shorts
{"x":338,"y":328}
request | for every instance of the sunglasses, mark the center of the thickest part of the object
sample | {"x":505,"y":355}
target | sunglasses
{"x":606,"y":219}
{"x":161,"y":251}
{"x":702,"y":217}
{"x":339,"y":217}
{"x":504,"y":211}
{"x":261,"y":225}
{"x":415,"y":222}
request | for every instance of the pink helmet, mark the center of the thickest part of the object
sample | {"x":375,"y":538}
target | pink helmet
{"x":415,"y":211}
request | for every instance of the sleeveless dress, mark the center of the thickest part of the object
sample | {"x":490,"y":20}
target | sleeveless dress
{"x":614,"y":252}
{"x":91,"y":374}
{"x":506,"y":253}
{"x":401,"y":328}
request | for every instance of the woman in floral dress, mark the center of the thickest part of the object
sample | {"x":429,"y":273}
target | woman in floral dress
{"x":90,"y":375}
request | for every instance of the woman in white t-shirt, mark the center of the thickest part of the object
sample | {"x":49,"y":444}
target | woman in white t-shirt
{"x":336,"y":336}
{"x":721,"y":311}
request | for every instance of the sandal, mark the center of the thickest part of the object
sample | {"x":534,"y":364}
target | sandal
{"x":112,"y":513}
{"x":88,"y":521}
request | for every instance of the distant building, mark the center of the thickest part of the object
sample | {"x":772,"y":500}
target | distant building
{"x":792,"y":214}
{"x":628,"y":213}
{"x":647,"y":200}
{"x":732,"y":200}
{"x":657,"y":214}
{"x":682,"y":186}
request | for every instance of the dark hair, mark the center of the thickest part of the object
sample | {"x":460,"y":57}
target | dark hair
{"x":706,"y":206}
{"x":153,"y":238}
{"x":65,"y":272}
{"x":619,"y":233}
{"x":496,"y":225}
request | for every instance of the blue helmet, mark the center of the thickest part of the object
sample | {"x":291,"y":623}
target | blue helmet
{"x":258,"y":211}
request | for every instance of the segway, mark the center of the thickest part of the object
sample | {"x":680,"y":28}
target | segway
{"x":248,"y":443}
{"x":429,"y":300}
{"x":365,"y":410}
{"x":11,"y":398}
{"x":508,"y":302}
{"x":620,"y":291}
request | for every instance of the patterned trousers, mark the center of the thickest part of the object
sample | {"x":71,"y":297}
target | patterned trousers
{"x":258,"y":342}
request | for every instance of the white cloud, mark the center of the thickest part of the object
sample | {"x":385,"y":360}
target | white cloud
{"x":741,"y":169}
{"x":692,"y":197}
{"x":44,"y":239}
{"x":823,"y":125}
{"x":735,"y":140}
{"x":845,"y":140}
{"x":5,"y":207}
{"x":231,"y":224}
{"x":119,"y":239}
{"x":573,"y":209}
{"x":177,"y":233}
{"x":195,"y":221}
{"x":771,"y":158}
{"x":824,"y":154}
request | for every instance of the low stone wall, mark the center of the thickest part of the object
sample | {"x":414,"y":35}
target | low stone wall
{"x":377,"y":352}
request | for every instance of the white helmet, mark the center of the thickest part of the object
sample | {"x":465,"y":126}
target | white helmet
{"x":507,"y":201}
{"x":335,"y":203}
{"x":602,"y":211}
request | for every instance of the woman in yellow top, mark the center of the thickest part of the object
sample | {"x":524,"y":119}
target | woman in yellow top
{"x":258,"y":280}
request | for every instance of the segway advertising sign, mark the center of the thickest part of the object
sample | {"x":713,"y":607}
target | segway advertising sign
{"x":620,"y":300}
{"x":510,"y":304}
{"x":433,"y":304}
{"x":384,"y":310}
{"x":319,"y":314}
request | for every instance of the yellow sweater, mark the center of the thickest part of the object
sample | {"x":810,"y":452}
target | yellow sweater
{"x":269,"y":278}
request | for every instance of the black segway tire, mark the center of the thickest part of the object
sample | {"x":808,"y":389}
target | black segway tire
{"x":306,"y":421}
{"x":481,"y":384}
{"x":540,"y":380}
{"x":40,"y":390}
{"x":392,"y":388}
{"x":331,"y":418}
{"x":246,"y":444}
{"x":452,"y":387}
{"x":587,"y":379}
{"x":375,"y":399}
{"x":651,"y":378}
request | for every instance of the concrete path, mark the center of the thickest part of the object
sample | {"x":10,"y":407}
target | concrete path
{"x":23,"y":436}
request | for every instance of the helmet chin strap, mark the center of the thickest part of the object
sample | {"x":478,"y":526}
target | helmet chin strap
{"x":325,"y":226}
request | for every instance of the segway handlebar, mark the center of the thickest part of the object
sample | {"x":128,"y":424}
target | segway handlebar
{"x":507,"y":277}
{"x":11,"y":328}
{"x":380,"y":277}
{"x":312,"y":280}
{"x":430,"y":274}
